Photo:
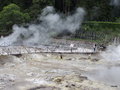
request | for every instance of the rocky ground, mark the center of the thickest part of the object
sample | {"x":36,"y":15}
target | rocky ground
{"x":53,"y":72}
{"x":50,"y":72}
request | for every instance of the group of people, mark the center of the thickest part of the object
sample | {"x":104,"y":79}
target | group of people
{"x":95,"y":47}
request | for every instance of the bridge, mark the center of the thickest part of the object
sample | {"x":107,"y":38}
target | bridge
{"x":16,"y":50}
{"x":9,"y":49}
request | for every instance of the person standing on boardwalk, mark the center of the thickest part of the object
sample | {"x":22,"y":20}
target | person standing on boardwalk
{"x":94,"y":47}
{"x":71,"y":46}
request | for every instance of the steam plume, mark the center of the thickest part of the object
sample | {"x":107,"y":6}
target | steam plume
{"x":112,"y":53}
{"x":51,"y":23}
{"x":115,"y":2}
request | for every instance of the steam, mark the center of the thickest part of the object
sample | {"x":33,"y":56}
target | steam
{"x":112,"y":53}
{"x":108,"y":75}
{"x":115,"y":2}
{"x":51,"y":23}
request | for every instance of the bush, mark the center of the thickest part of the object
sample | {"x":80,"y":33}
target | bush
{"x":11,"y":15}
{"x":104,"y":27}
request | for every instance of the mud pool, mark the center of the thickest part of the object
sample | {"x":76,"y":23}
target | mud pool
{"x":50,"y":72}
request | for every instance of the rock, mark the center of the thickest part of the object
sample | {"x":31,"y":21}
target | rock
{"x":114,"y":86}
{"x":75,"y":78}
{"x":72,"y":84}
{"x":30,"y":74}
{"x":82,"y":78}
{"x":89,"y":57}
{"x":44,"y":88}
{"x":95,"y":60}
{"x":69,"y":59}
{"x":58,"y":79}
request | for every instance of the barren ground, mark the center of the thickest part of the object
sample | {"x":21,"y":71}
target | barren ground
{"x":50,"y":72}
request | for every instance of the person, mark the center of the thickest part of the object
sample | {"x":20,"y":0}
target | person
{"x":71,"y":46}
{"x":61,"y":57}
{"x":2,"y":37}
{"x":94,"y":47}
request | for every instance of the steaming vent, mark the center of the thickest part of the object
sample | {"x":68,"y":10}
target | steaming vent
{"x":51,"y":24}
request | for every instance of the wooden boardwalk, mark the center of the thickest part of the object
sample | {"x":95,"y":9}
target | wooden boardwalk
{"x":16,"y":50}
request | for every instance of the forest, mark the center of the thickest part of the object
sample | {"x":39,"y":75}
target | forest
{"x":104,"y":14}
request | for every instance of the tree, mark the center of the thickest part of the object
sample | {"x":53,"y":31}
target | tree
{"x":59,"y":5}
{"x":24,"y":4}
{"x":37,"y":6}
{"x":65,"y":6}
{"x":105,"y":11}
{"x":11,"y":15}
{"x":118,"y":20}
{"x":4,"y":3}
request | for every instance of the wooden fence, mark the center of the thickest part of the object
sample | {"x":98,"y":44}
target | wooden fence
{"x":96,"y":36}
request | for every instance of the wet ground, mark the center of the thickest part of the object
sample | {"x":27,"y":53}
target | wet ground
{"x":55,"y":71}
{"x":50,"y":72}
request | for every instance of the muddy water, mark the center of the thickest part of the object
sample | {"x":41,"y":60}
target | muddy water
{"x":50,"y":72}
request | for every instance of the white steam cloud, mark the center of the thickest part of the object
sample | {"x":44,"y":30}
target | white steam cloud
{"x":51,"y":23}
{"x":115,"y":2}
{"x":112,"y":53}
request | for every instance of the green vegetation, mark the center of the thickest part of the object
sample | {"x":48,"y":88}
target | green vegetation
{"x":87,"y":40}
{"x":99,"y":31}
{"x":118,"y":20}
{"x":101,"y":17}
{"x":105,"y":27}
{"x":11,"y":15}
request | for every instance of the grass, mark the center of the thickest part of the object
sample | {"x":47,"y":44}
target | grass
{"x":87,"y":40}
{"x":102,"y":22}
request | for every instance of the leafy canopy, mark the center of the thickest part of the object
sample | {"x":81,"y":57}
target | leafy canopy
{"x":11,"y":15}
